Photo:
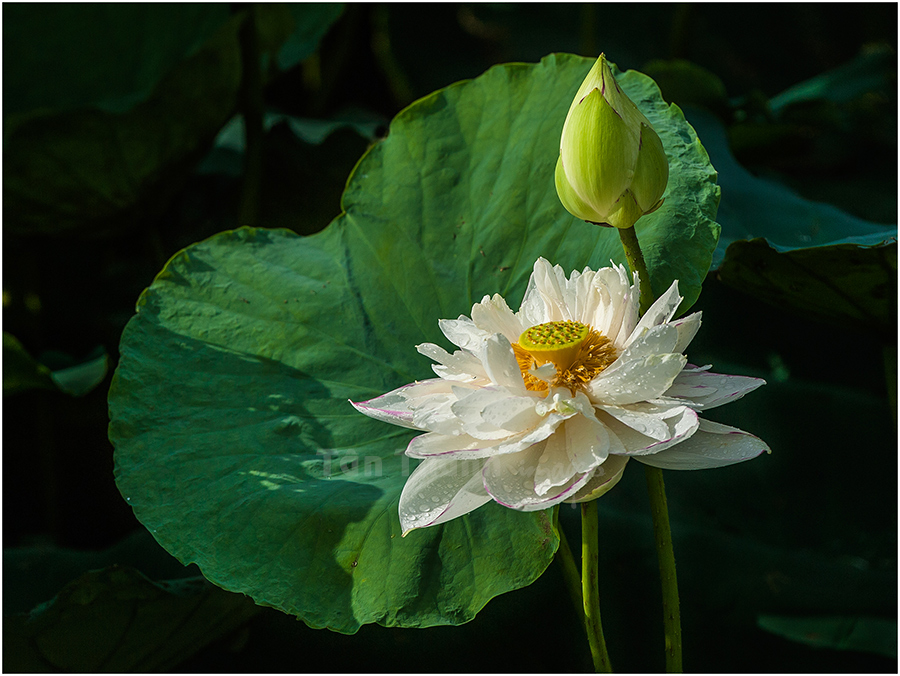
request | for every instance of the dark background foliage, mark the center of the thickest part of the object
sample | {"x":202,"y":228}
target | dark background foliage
{"x":809,"y":531}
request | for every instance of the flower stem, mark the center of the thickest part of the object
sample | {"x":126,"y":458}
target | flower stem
{"x":590,"y":543}
{"x":666,"y":554}
{"x":657,"y":490}
{"x":635,"y":259}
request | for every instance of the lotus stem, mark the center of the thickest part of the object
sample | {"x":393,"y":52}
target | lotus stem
{"x":662,"y":533}
{"x":657,"y":490}
{"x":590,"y":588}
{"x":635,"y":259}
{"x":569,"y":569}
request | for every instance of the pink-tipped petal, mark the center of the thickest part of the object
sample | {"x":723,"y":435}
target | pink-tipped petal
{"x":702,"y":390}
{"x":439,"y":490}
{"x":393,"y":407}
{"x":713,"y":445}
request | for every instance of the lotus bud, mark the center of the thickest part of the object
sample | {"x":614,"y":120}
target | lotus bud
{"x":612,"y":167}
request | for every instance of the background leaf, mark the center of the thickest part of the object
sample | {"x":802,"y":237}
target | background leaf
{"x":107,"y":56}
{"x":100,"y":147}
{"x":873,"y":70}
{"x":842,"y":282}
{"x":21,"y":371}
{"x":869,"y":634}
{"x":754,"y":207}
{"x":311,"y":21}
{"x":96,"y":170}
{"x":116,"y":620}
{"x":236,"y":371}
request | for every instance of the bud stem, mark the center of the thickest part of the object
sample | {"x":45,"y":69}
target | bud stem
{"x":636,"y":262}
{"x":665,"y":552}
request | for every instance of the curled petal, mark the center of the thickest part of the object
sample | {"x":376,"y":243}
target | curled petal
{"x":544,"y":299}
{"x":681,"y":424}
{"x":647,"y":341}
{"x":702,"y":390}
{"x":500,"y":363}
{"x":493,"y":315}
{"x":713,"y":445}
{"x":467,"y":446}
{"x":510,"y":480}
{"x":662,"y":311}
{"x":579,"y":445}
{"x":554,"y":467}
{"x":587,"y":442}
{"x":602,"y":479}
{"x":649,"y":423}
{"x":461,"y":366}
{"x":434,"y":444}
{"x":617,"y":311}
{"x":463,"y":333}
{"x":687,"y":328}
{"x":440,"y":489}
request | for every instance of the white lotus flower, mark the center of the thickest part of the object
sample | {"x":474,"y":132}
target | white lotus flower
{"x":549,"y":403}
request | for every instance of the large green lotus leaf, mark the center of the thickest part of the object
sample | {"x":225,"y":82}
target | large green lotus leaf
{"x":235,"y":443}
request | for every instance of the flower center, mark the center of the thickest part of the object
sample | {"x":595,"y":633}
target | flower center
{"x":577,"y":350}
